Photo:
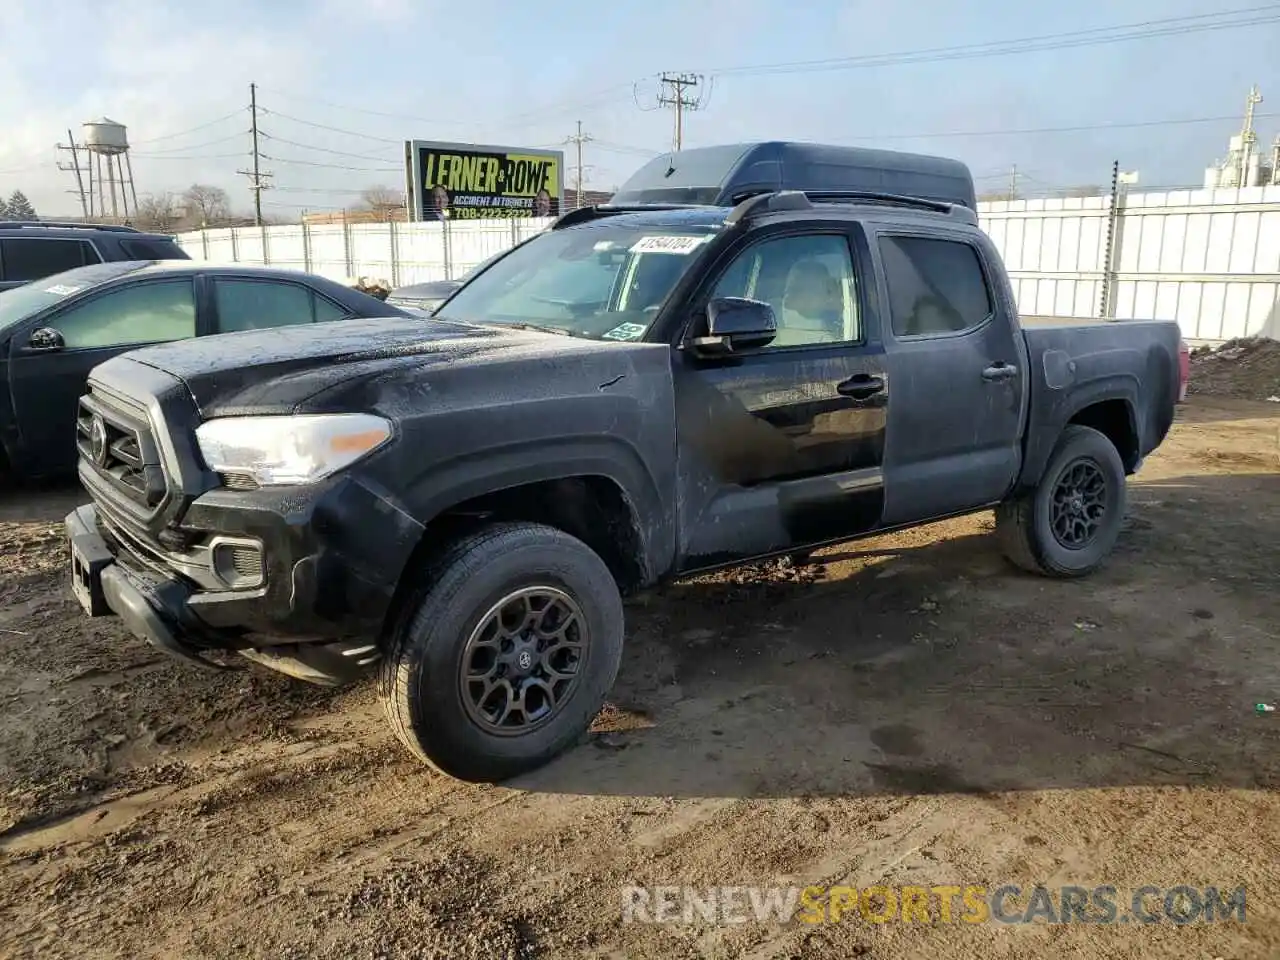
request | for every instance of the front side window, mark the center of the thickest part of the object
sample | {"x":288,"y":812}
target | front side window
{"x":261,"y":304}
{"x":146,"y":313}
{"x":809,"y":282}
{"x":32,"y":258}
{"x":936,"y":287}
{"x":604,"y":280}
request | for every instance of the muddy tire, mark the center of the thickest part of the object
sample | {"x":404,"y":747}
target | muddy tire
{"x":508,"y":655}
{"x":1069,"y":524}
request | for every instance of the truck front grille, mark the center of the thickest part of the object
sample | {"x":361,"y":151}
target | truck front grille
{"x":117,"y":443}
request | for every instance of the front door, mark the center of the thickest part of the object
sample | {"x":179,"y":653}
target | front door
{"x":781,"y":447}
{"x":47,"y":373}
{"x":957,"y":362}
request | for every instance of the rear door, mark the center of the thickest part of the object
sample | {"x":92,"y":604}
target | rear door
{"x":23,"y":259}
{"x":781,"y":447}
{"x":47,"y":373}
{"x":957,"y":362}
{"x":256,"y":303}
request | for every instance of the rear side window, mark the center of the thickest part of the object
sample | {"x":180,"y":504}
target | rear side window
{"x":936,"y":287}
{"x":261,"y":304}
{"x":31,"y":258}
{"x":150,"y":249}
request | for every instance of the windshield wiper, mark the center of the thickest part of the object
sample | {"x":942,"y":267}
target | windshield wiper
{"x":541,"y":328}
{"x":559,"y":331}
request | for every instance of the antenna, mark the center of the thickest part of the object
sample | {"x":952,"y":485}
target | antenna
{"x":674,"y":87}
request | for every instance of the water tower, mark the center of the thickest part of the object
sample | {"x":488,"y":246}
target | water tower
{"x":110,"y":172}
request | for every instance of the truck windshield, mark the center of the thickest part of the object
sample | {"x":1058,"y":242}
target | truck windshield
{"x":605,"y":281}
{"x":18,"y":303}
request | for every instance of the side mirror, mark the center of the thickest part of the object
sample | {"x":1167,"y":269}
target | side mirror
{"x":735,"y":324}
{"x":46,"y":338}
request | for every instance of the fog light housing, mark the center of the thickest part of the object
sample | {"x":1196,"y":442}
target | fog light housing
{"x":238,"y":563}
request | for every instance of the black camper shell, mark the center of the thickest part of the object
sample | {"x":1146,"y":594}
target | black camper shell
{"x":725,"y":175}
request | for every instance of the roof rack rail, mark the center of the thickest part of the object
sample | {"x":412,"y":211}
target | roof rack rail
{"x":779,"y":200}
{"x":68,"y":225}
{"x":771,"y":202}
{"x":585,"y":214}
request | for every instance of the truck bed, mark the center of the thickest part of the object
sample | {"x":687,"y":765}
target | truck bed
{"x":1134,"y":364}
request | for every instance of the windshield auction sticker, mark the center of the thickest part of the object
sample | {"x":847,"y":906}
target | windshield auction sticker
{"x":62,"y":290}
{"x":680,"y":245}
{"x":625,"y":331}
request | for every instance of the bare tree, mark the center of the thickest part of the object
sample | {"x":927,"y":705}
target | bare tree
{"x":206,"y":206}
{"x":383,"y":201}
{"x":158,"y":211}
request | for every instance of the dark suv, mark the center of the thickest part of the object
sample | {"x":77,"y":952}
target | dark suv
{"x":34,"y":249}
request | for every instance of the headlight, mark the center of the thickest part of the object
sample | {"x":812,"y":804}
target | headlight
{"x":293,"y":449}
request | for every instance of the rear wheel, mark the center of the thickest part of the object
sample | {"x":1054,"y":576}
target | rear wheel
{"x":508,"y":655}
{"x":1069,"y":524}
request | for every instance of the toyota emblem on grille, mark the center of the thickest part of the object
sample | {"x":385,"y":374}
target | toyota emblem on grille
{"x":98,"y":440}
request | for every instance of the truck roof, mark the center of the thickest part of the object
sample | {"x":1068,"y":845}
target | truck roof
{"x":724,"y":175}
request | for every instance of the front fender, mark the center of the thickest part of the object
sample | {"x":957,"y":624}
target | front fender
{"x":453,"y":482}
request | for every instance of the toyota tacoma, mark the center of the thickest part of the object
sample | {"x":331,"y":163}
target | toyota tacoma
{"x":751,"y":352}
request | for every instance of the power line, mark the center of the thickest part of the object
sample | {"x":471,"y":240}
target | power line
{"x":309,"y":146}
{"x":332,"y":166}
{"x":200,"y":146}
{"x":322,"y":126}
{"x":316,"y":190}
{"x":606,"y":94}
{"x":1033,"y":131}
{"x":202,"y":156}
{"x":611,"y":147}
{"x":1171,"y":26}
{"x":195,"y":129}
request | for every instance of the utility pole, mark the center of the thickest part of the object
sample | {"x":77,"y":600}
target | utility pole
{"x":579,"y":139}
{"x":1105,"y":303}
{"x":1013,"y":183}
{"x":677,"y":83}
{"x":75,"y":166}
{"x":256,"y":176}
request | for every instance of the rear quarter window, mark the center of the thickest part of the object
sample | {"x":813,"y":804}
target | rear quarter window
{"x":152,"y":249}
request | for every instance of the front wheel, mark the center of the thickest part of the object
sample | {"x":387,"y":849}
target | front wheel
{"x":509,"y":654}
{"x":1069,"y":524}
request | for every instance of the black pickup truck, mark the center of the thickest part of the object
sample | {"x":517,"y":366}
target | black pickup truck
{"x":752,"y":352}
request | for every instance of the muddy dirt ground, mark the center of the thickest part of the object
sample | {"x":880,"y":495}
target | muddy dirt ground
{"x":909,"y":710}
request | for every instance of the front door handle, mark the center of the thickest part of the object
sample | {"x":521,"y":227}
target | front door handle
{"x":863,"y":386}
{"x":999,"y":371}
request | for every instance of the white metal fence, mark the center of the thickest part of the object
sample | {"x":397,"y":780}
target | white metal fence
{"x":399,"y":253}
{"x":1209,"y":259}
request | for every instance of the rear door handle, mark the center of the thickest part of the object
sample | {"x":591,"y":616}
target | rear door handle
{"x":863,"y":386}
{"x":1000,"y":371}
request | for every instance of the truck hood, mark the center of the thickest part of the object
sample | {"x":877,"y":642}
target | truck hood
{"x":275,"y":371}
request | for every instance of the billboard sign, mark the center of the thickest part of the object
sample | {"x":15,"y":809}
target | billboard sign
{"x":464,"y":181}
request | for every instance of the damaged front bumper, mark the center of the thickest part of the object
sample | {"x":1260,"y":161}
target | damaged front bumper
{"x":165,"y":599}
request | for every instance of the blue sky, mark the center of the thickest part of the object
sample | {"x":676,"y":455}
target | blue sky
{"x":521,"y":73}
